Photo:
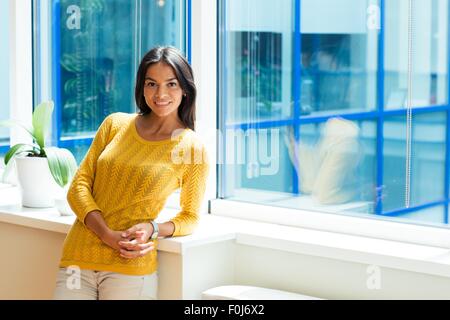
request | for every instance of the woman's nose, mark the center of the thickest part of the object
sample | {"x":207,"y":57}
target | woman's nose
{"x":160,"y":91}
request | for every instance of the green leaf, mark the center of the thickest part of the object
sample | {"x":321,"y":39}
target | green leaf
{"x":42,"y":117}
{"x":17,"y":149}
{"x":10,"y":123}
{"x":62,"y":164}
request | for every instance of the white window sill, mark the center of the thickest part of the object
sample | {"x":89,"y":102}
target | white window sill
{"x":213,"y":228}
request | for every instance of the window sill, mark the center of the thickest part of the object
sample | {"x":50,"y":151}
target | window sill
{"x":214,"y":228}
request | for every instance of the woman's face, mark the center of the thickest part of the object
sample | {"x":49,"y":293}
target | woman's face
{"x":162,"y":91}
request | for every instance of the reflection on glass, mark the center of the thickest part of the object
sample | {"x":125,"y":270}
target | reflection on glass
{"x":430,"y":53}
{"x":338,"y":57}
{"x":257,"y":160}
{"x":327,"y":163}
{"x":258,"y":60}
{"x":334,"y":163}
{"x":428,"y":160}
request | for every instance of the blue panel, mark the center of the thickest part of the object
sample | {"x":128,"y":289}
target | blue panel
{"x":222,"y":82}
{"x":262,"y":124}
{"x":189,"y":30}
{"x":447,"y":142}
{"x":56,"y":69}
{"x":447,"y":166}
{"x":70,"y":143}
{"x":399,"y":212}
{"x":380,"y":108}
{"x":348,"y":116}
{"x":296,"y":83}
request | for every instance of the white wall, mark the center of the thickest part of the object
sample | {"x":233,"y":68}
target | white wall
{"x":31,"y":273}
{"x":331,"y":279}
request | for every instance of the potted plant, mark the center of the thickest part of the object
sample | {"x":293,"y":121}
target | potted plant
{"x":43,"y":172}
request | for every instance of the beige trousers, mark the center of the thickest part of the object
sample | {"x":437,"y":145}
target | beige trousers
{"x":83,"y":284}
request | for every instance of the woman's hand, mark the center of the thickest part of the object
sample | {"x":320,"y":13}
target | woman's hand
{"x":138,"y":245}
{"x":112,"y":238}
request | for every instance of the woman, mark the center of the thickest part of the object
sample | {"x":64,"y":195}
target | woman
{"x":134,"y":163}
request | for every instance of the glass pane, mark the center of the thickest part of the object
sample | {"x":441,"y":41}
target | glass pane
{"x":428,"y":160}
{"x":339,"y":56}
{"x":96,"y":47}
{"x":4,"y":75}
{"x":331,"y":167}
{"x":257,"y":164}
{"x":258,"y":66}
{"x":430,"y":53}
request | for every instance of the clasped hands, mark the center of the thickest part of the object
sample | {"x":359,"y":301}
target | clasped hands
{"x":131,"y":243}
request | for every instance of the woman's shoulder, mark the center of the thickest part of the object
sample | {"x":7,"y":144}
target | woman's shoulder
{"x":115,"y":122}
{"x":119,"y":119}
{"x":120,"y":116}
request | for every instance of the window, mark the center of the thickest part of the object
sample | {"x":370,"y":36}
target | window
{"x":4,"y":78}
{"x":87,"y":54}
{"x":312,"y":108}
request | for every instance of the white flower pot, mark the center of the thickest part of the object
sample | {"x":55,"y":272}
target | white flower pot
{"x":37,"y":185}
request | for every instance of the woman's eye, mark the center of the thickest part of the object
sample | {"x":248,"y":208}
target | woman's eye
{"x":150,"y":84}
{"x":172,"y":84}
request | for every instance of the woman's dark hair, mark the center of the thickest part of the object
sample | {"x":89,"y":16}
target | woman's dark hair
{"x":183,"y":71}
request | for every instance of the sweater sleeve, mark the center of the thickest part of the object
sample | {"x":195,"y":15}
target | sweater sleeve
{"x":193,"y":188}
{"x":79,"y":194}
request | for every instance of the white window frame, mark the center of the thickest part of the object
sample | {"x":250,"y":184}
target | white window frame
{"x":204,"y":65}
{"x":21,"y":68}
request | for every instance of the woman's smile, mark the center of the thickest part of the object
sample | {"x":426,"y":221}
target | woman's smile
{"x":162,"y":103}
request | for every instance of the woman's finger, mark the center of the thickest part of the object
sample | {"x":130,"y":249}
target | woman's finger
{"x":145,"y":251}
{"x":129,"y":231}
{"x":136,"y":253}
{"x":135,"y":246}
{"x":128,"y":244}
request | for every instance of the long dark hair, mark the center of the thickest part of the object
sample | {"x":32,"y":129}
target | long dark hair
{"x":183,"y":71}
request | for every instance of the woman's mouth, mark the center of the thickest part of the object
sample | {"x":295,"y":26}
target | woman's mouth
{"x":162,"y":103}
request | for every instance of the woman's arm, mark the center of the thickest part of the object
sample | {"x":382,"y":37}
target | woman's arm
{"x":166,"y":229}
{"x":95,"y":222}
{"x":79,"y":194}
{"x":193,"y":188}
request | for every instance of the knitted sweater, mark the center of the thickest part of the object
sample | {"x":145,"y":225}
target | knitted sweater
{"x":129,"y":179}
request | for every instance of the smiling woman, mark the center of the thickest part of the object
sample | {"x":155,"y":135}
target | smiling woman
{"x":125,"y":179}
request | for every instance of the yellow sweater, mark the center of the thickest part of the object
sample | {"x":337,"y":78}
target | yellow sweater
{"x":129,"y":179}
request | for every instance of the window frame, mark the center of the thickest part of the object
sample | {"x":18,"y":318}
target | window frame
{"x":21,"y":76}
{"x":374,"y":226}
